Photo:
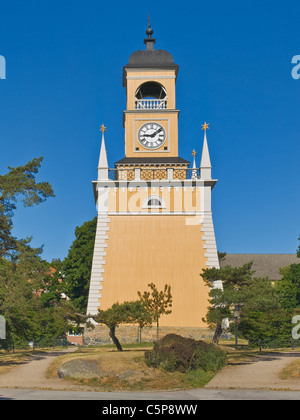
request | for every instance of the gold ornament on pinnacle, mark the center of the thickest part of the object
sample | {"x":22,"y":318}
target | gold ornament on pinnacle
{"x":102,"y":128}
{"x":205,"y":126}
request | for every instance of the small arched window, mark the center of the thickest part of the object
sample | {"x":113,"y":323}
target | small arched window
{"x":154,"y":202}
{"x":151,"y":95}
{"x":152,"y":90}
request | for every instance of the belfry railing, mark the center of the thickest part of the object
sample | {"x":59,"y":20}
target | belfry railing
{"x":151,"y":103}
{"x":158,"y":174}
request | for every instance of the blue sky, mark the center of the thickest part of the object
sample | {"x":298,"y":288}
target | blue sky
{"x":64,"y":78}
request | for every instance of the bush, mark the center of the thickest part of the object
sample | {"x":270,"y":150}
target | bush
{"x":176,"y":353}
{"x":211,"y":359}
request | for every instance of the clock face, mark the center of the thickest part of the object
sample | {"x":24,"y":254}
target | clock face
{"x":152,"y":135}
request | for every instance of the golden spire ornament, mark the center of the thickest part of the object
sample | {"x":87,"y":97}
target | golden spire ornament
{"x":194,"y":171}
{"x":102,"y":128}
{"x":205,"y":126}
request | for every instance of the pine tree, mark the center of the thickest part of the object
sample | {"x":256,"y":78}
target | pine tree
{"x":19,"y":183}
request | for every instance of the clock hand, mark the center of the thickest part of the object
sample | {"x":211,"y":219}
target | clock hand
{"x":156,"y":132}
{"x":153,"y":134}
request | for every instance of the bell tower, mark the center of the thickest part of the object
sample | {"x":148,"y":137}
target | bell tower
{"x":151,"y":117}
{"x":154,"y":210}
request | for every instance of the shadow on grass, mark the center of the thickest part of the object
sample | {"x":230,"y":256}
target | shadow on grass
{"x":23,"y":358}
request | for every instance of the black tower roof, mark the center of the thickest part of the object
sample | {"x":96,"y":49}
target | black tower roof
{"x":150,"y":58}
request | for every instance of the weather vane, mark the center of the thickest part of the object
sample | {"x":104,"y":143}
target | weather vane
{"x":194,"y":153}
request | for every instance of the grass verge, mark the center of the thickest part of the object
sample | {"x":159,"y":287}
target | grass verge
{"x":127,"y":371}
{"x":292,"y":370}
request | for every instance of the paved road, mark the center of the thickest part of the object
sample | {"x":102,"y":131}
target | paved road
{"x":189,"y":395}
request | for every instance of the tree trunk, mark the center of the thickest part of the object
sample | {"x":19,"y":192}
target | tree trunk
{"x":217,"y":334}
{"x":112,"y":334}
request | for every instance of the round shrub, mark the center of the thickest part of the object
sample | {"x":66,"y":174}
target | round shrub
{"x":177,"y":353}
{"x":210,"y":359}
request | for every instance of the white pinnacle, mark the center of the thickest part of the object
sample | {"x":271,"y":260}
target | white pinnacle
{"x":103,"y":155}
{"x":205,"y":166}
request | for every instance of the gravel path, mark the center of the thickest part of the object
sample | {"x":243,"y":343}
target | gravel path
{"x":31,"y":374}
{"x":261,"y":372}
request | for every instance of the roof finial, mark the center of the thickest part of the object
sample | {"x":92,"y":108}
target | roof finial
{"x":149,"y":41}
{"x":205,"y":126}
{"x":102,"y":128}
{"x":103,"y":164}
{"x":205,"y":165}
{"x":194,"y":171}
{"x":194,"y":158}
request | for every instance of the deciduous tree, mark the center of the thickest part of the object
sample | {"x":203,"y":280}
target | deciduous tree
{"x":77,"y":266}
{"x":157,"y":302}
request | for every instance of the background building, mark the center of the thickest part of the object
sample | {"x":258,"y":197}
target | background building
{"x":264,"y":265}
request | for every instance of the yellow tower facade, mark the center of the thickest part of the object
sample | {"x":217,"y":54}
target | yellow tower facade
{"x":154,"y":208}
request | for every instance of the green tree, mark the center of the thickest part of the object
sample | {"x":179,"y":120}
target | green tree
{"x":298,"y":250}
{"x":288,"y":288}
{"x":222,"y":301}
{"x":141,"y":316}
{"x":157,"y":302}
{"x":266,"y":311}
{"x":54,"y":288}
{"x":29,"y":299}
{"x":19,"y":183}
{"x":119,"y":313}
{"x":20,"y":282}
{"x":262,"y":317}
{"x":78,"y":264}
{"x":23,"y":274}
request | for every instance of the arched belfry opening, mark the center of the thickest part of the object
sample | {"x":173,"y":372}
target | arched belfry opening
{"x":151,"y":95}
